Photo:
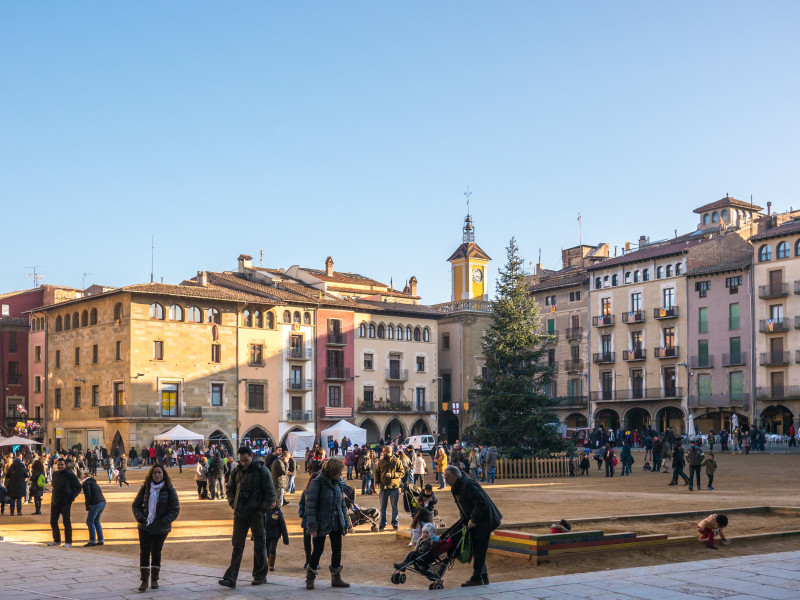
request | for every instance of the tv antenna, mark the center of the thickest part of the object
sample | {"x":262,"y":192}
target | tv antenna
{"x":152,"y":255}
{"x":83,"y":285}
{"x":36,"y":276}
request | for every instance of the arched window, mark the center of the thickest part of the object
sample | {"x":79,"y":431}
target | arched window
{"x":706,"y":219}
{"x":118,"y":311}
{"x":247,"y":317}
{"x":408,"y":333}
{"x":614,"y":280}
{"x":426,"y":335}
{"x":75,"y":320}
{"x":725,"y":214}
{"x":606,"y":280}
{"x":381,"y":331}
{"x":765,"y":253}
{"x":715,"y":217}
{"x":287,"y":316}
{"x":797,"y":248}
{"x":399,"y":331}
{"x":93,"y":317}
{"x":194,"y":315}
{"x":67,"y":322}
{"x":259,"y":319}
{"x":669,"y":270}
{"x":783,"y":250}
{"x":175,"y":313}
{"x":646,"y":275}
{"x":59,"y":323}
{"x":627,"y":277}
{"x":417,"y":334}
{"x":372,"y":330}
{"x":390,"y":332}
{"x":636,"y":276}
{"x":84,"y":318}
{"x":678,"y":269}
{"x":156,"y":311}
{"x":659,"y":272}
{"x":362,"y":330}
{"x":296,"y":317}
{"x":598,"y":283}
{"x":306,"y":318}
{"x":270,"y":320}
{"x":213,"y":316}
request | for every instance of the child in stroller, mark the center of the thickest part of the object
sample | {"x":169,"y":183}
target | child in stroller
{"x":358,"y":515}
{"x":422,"y":556}
{"x":432,"y":556}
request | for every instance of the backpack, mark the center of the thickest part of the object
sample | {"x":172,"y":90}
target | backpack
{"x":41,"y":481}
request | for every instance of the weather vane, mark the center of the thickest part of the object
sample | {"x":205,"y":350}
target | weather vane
{"x":468,"y":194}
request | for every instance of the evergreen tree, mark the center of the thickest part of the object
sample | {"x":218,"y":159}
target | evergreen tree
{"x":514,"y":408}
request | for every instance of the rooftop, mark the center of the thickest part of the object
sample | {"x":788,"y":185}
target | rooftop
{"x":647,"y":253}
{"x":726,"y":202}
{"x":735,"y":265}
{"x":788,"y":228}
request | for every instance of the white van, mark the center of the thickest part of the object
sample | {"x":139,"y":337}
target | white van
{"x":423,"y":443}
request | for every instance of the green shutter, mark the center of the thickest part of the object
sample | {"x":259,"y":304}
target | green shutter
{"x":733,"y":316}
{"x":702,"y":353}
{"x":736,"y":350}
{"x":736,"y":385}
{"x":704,"y":386}
{"x":703,"y":320}
{"x":551,"y":326}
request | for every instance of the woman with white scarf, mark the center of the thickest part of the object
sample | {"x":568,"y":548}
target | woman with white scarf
{"x":154,"y":508}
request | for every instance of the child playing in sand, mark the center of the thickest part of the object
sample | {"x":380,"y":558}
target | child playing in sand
{"x":562,"y":526}
{"x":713,"y":525}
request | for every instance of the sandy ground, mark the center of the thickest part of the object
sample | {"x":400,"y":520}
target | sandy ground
{"x":202,"y":533}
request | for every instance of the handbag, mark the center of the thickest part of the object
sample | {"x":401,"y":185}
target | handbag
{"x":465,"y":547}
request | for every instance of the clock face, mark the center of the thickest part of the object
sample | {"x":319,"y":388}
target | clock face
{"x":477,"y":275}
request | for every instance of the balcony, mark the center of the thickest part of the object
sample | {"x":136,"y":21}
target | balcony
{"x":336,"y":412}
{"x":603,"y":321}
{"x":797,"y":287}
{"x":773,"y":325}
{"x":663,"y":394}
{"x":668,"y":352}
{"x":479,"y":306}
{"x":14,"y":379}
{"x":299,"y":353}
{"x":549,"y":365}
{"x":552,"y":337}
{"x":571,"y":402}
{"x":734,"y":360}
{"x":638,"y":354}
{"x":337,"y":373}
{"x":719,"y":400}
{"x":635,"y":316}
{"x":337,"y":339}
{"x":402,"y":406}
{"x":299,"y":385}
{"x":149,"y":411}
{"x":300,"y":415}
{"x":797,"y":322}
{"x":786,"y":392}
{"x":603,"y":358}
{"x":701,"y":362}
{"x":669,"y":312}
{"x":774,"y":359}
{"x":773,"y":290}
{"x":638,"y":393}
{"x":573,"y":365}
{"x":574,"y":333}
{"x":396,"y":374}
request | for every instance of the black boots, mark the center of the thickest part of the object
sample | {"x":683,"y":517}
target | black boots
{"x":311,"y":575}
{"x":271,"y":562}
{"x":154,"y":572}
{"x":145,"y":574}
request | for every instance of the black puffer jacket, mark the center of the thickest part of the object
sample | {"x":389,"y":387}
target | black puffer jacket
{"x":475,"y":505}
{"x":325,"y":507}
{"x":16,"y":476}
{"x":66,"y":487}
{"x":250,"y":490}
{"x":91,"y":492}
{"x":167,"y":509}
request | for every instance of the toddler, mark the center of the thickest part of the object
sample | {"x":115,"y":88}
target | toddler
{"x":585,"y":464}
{"x":713,"y":525}
{"x":422,"y":518}
{"x":711,"y":467}
{"x":423,"y":555}
{"x":427,"y":499}
{"x":572,"y":467}
{"x":275,"y":530}
{"x":562,"y":526}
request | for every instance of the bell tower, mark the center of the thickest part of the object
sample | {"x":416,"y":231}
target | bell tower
{"x":468,"y":267}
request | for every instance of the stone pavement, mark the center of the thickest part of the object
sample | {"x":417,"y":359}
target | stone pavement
{"x":34,"y":572}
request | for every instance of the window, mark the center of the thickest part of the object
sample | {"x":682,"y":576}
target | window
{"x":368,"y":362}
{"x":156,"y":311}
{"x":735,"y":349}
{"x":270,"y":320}
{"x":381,"y":332}
{"x":550,"y":301}
{"x":703,"y":320}
{"x":58,"y":398}
{"x":420,"y":364}
{"x":669,"y":270}
{"x":606,"y":281}
{"x":399,"y":333}
{"x":216,"y":353}
{"x":725,"y":214}
{"x":736,"y":385}
{"x":37,"y":354}
{"x":362,"y":330}
{"x":605,"y":307}
{"x":255,"y":396}
{"x":776,"y":313}
{"x":614,"y":280}
{"x":390,"y":332}
{"x":306,"y":318}
{"x":636,"y":276}
{"x":371,"y":330}
{"x":636,"y":301}
{"x":765,"y":253}
{"x":733,"y":316}
{"x":58,"y":359}
{"x":256,"y":354}
{"x":169,"y":399}
{"x":598,"y":283}
{"x":93,"y":317}
{"x":408,"y":333}
{"x":158,"y":350}
{"x":216,"y":394}
{"x":704,"y":385}
{"x":76,"y":397}
{"x":334,"y":396}
{"x":417,"y":334}
{"x":119,"y":394}
{"x":715,"y":217}
{"x":213,"y":316}
{"x":783,"y":250}
{"x":95,"y":395}
{"x":446,"y":387}
{"x":733,"y":283}
{"x":551,"y":326}
{"x":420,"y":398}
{"x":75,"y":320}
{"x":706,"y":219}
{"x":67,"y":323}
{"x":574,"y":296}
{"x":118,"y":311}
{"x":259,"y":318}
{"x":659,"y":272}
{"x":669,"y":297}
{"x":194,"y":315}
{"x":247,"y":318}
{"x":669,"y":337}
{"x":646,"y":275}
{"x":37,"y":384}
{"x":59,"y":323}
{"x":445,"y":341}
{"x":95,"y":354}
{"x":287,"y":316}
{"x":678,"y":268}
{"x":84,"y":318}
{"x":12,"y":341}
{"x":77,"y":356}
{"x":369,"y":394}
{"x":426,"y":335}
{"x":118,"y":351}
{"x":627,"y":277}
{"x":702,"y":287}
{"x":797,"y":248}
{"x":175,"y":313}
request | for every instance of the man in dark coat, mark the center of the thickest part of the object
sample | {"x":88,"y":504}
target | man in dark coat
{"x":16,"y":476}
{"x":66,"y":488}
{"x":658,"y":448}
{"x":251,"y":496}
{"x":480,"y":515}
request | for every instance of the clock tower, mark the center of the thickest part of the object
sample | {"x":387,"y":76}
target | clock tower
{"x":468,"y":268}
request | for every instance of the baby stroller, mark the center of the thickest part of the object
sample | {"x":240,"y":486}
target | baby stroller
{"x":433,"y":565}
{"x":411,"y":504}
{"x":358,"y":515}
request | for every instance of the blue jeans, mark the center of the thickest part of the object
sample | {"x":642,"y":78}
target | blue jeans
{"x":291,"y":489}
{"x":440,"y":479}
{"x":349,"y":471}
{"x":93,"y":522}
{"x":387,"y":495}
{"x":490,"y":473}
{"x":366,"y":483}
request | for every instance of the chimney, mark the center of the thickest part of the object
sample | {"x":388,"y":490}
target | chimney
{"x":642,"y":242}
{"x":413,"y":282}
{"x":769,"y":208}
{"x":202,"y":278}
{"x":329,"y":267}
{"x":245,"y":262}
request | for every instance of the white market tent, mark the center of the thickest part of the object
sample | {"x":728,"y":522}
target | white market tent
{"x":297,"y":442}
{"x":18,"y":441}
{"x":179,"y":433}
{"x":342,"y":429}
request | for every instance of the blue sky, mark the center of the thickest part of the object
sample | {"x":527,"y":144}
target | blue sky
{"x":353,"y":129}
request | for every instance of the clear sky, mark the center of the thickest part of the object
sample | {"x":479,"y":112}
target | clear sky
{"x":352,"y":129}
